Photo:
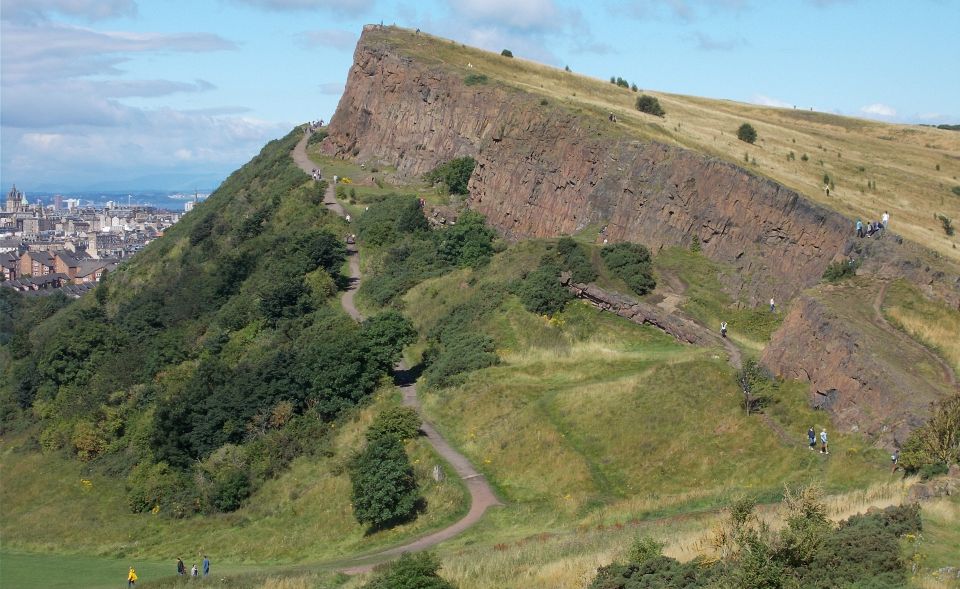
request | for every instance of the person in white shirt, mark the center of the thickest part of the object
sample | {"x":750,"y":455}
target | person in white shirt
{"x":885,"y":219}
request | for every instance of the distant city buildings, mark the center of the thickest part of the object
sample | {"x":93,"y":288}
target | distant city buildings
{"x":47,"y":248}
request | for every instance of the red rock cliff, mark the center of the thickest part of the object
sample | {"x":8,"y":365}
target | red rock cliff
{"x":544,"y":171}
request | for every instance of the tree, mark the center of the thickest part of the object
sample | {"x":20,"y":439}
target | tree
{"x":402,"y":423}
{"x":747,"y":133}
{"x":650,"y":105}
{"x":455,"y":174}
{"x":937,"y":441}
{"x":631,"y":262}
{"x":385,"y":335}
{"x":506,"y":53}
{"x":541,"y":292}
{"x":385,"y":490}
{"x":411,"y":571}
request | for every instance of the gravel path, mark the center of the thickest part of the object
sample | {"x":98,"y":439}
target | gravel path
{"x":481,"y":493}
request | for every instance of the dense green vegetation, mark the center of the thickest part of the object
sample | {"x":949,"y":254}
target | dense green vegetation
{"x":935,"y":445}
{"x":632,"y":263}
{"x":863,"y":551}
{"x":411,"y":571}
{"x":747,"y":133}
{"x":203,"y":367}
{"x":650,"y":105}
{"x":455,"y":174}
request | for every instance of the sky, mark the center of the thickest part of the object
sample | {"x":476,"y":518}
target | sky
{"x":178,"y":93}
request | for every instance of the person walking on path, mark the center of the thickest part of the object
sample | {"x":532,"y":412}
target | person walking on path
{"x":206,"y":565}
{"x":823,"y":442}
{"x":895,"y":458}
{"x":812,"y":438}
{"x":131,"y":578}
{"x":773,"y":305}
{"x":723,"y":329}
{"x":181,"y":568}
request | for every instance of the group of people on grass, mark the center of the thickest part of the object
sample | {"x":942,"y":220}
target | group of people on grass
{"x":314,"y":125}
{"x":132,"y":577}
{"x":872,"y":228}
{"x":812,"y":440}
{"x":316,"y":174}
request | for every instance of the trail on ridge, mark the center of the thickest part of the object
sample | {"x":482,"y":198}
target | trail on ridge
{"x":481,"y":493}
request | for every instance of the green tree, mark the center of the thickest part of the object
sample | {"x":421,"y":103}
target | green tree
{"x":455,"y":174}
{"x":402,"y":423}
{"x":650,"y":105}
{"x":630,"y":262}
{"x":385,"y":490}
{"x":747,"y":133}
{"x":540,"y":291}
{"x":467,"y":243}
{"x":411,"y":571}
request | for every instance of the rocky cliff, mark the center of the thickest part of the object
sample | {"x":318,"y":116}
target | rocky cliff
{"x":544,"y":170}
{"x":871,"y":377}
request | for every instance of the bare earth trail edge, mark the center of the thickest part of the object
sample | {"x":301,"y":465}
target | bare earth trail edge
{"x":481,"y":493}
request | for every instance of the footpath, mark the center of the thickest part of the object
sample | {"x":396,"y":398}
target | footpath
{"x":481,"y":493}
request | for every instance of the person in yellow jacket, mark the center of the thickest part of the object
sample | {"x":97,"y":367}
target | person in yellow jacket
{"x":131,"y":578}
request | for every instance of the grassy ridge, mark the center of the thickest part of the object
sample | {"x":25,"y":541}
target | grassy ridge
{"x":932,"y":323}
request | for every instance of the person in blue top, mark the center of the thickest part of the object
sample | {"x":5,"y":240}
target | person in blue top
{"x":206,"y":565}
{"x":859,"y":228}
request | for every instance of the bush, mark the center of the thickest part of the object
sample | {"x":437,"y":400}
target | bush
{"x":947,"y":224}
{"x":747,"y":133}
{"x":410,"y":571}
{"x":936,"y":442}
{"x":474,"y":79}
{"x":455,"y":174}
{"x":839,"y":270}
{"x":468,"y":243}
{"x":573,"y":258}
{"x":506,"y":53}
{"x":390,"y":220}
{"x":955,"y":189}
{"x":630,"y":262}
{"x":650,"y":105}
{"x":540,"y":291}
{"x":402,"y":423}
{"x":385,"y":490}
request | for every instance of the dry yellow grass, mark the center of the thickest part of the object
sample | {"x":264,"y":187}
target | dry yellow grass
{"x":914,"y":167}
{"x":932,"y":323}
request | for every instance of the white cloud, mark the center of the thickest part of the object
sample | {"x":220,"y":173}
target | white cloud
{"x":764,"y":100}
{"x":338,"y":6}
{"x":33,"y":10}
{"x":879,"y":110}
{"x":333,"y":38}
{"x":518,"y":14}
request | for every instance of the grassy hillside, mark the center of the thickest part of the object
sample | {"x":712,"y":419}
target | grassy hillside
{"x":908,"y":170}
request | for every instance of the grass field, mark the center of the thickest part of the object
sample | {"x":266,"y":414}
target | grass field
{"x":932,"y":323}
{"x":914,"y":167}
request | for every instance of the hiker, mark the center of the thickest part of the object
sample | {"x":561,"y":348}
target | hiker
{"x":206,"y":565}
{"x":823,"y":442}
{"x":773,"y":305}
{"x":812,"y":438}
{"x":181,"y":568}
{"x":895,"y":459}
{"x":194,"y":571}
{"x":335,"y":178}
{"x":885,"y":219}
{"x":348,"y":218}
{"x":131,"y":578}
{"x":859,"y":228}
{"x":723,"y":329}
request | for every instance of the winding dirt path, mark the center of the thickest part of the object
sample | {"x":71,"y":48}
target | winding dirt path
{"x":881,"y":320}
{"x":481,"y":493}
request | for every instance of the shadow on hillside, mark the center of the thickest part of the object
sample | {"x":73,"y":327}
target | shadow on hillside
{"x":407,"y":376}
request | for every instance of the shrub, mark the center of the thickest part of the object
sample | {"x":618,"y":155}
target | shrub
{"x":410,"y":571}
{"x":317,"y":137}
{"x":747,"y":133}
{"x":935,"y":442}
{"x":955,"y":189}
{"x":475,"y":79}
{"x":630,"y":262}
{"x":390,"y":220}
{"x":468,"y":243}
{"x":947,"y":223}
{"x":839,"y":270}
{"x":402,"y":423}
{"x":573,"y":258}
{"x":457,"y":354}
{"x":540,"y":291}
{"x":650,"y":105}
{"x":385,"y":490}
{"x":506,"y":53}
{"x":455,"y":174}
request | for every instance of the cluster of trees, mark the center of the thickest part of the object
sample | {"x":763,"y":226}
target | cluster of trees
{"x":935,"y":445}
{"x":203,"y":366}
{"x":618,"y":81}
{"x":455,"y":174}
{"x":810,"y":551}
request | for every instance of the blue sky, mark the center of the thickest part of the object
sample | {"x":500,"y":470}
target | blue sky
{"x":147,"y":92}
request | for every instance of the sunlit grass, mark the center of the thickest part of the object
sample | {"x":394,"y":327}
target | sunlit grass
{"x":931,"y":322}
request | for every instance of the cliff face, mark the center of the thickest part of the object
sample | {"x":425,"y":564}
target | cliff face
{"x":870,"y":377}
{"x":544,"y":171}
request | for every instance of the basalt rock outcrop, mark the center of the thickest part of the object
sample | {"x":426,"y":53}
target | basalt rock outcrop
{"x":870,"y":377}
{"x":544,"y":170}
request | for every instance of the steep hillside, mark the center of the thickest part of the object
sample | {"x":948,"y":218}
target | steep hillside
{"x":550,"y":162}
